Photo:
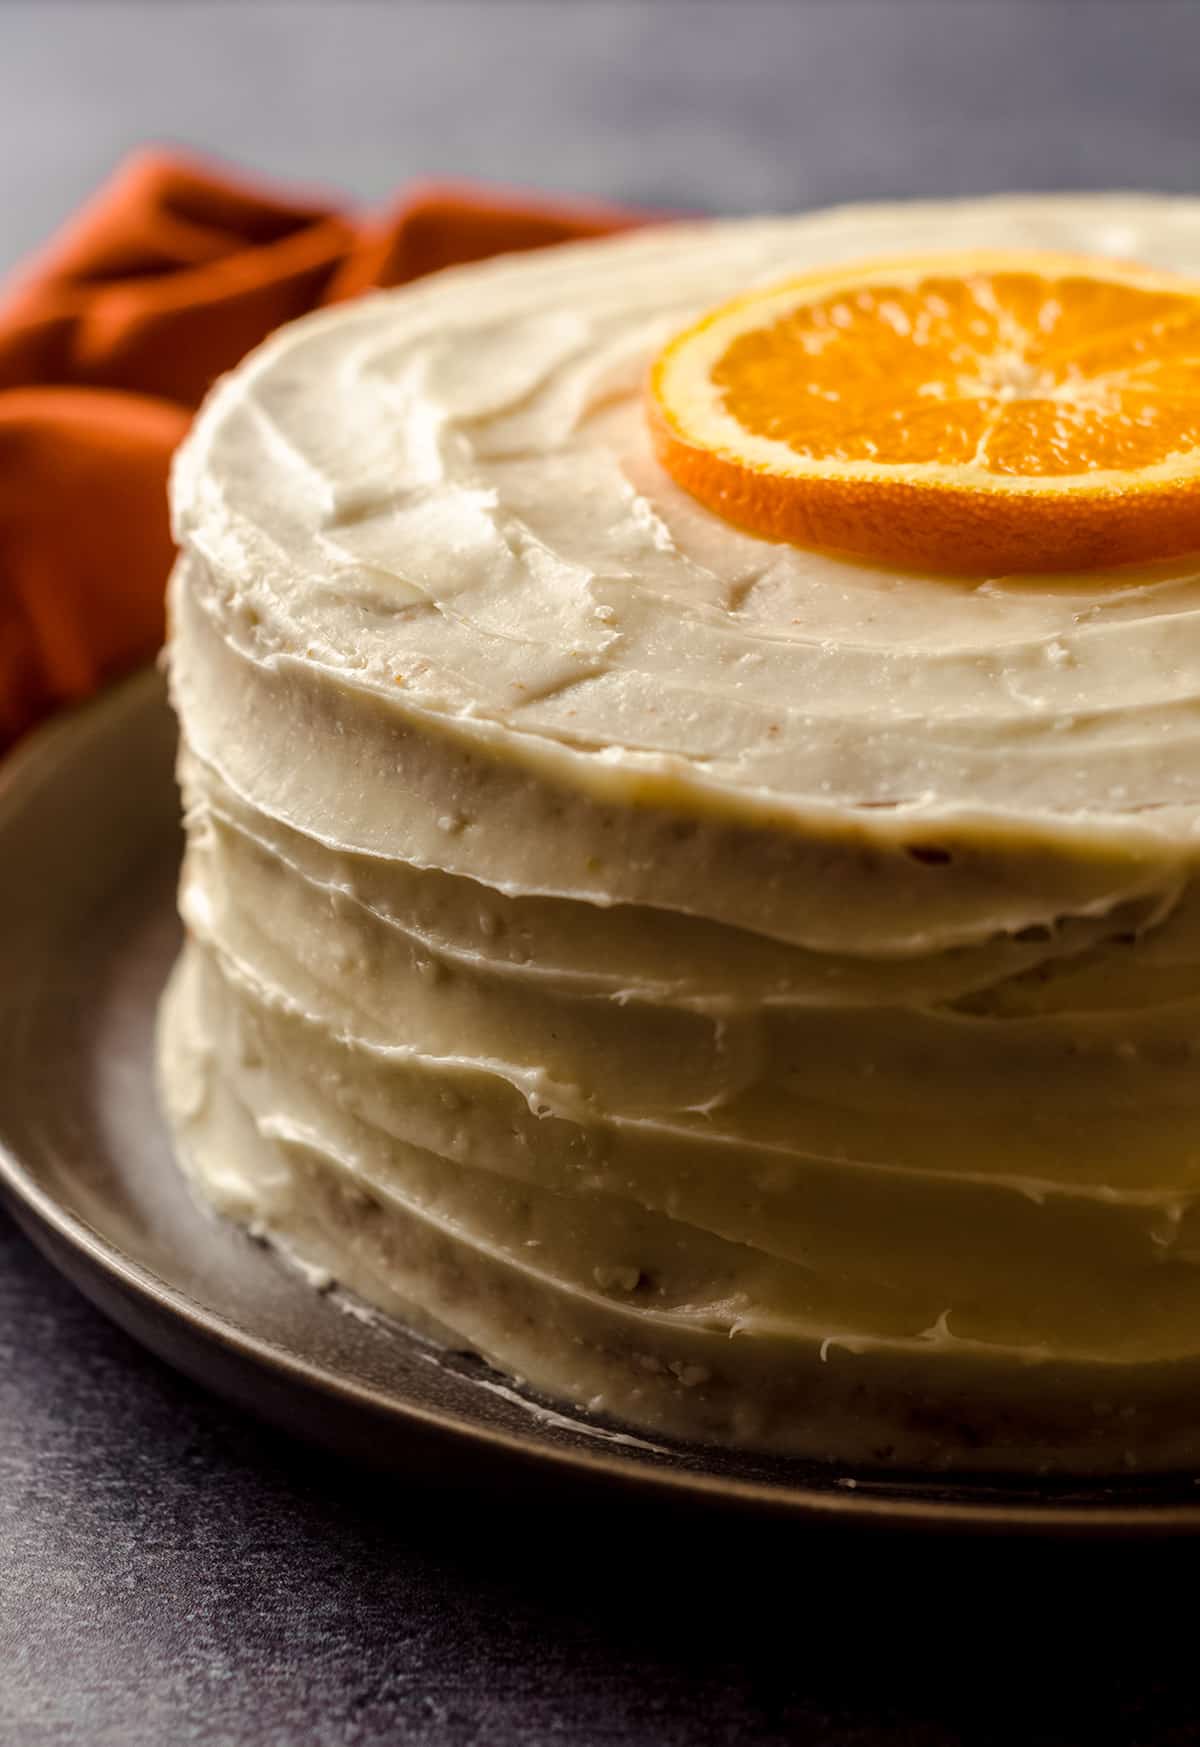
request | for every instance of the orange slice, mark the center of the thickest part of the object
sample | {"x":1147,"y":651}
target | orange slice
{"x":990,"y":412}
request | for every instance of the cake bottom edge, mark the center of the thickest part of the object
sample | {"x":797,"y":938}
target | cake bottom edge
{"x":937,"y":1412}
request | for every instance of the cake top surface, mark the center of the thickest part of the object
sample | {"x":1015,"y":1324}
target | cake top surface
{"x":447,"y":496}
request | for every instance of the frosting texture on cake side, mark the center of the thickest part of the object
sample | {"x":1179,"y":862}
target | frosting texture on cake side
{"x":746,"y":992}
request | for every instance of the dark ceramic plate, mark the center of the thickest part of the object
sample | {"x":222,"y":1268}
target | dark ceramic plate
{"x":88,"y":852}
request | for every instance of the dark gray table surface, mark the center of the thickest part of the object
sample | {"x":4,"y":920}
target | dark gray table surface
{"x":168,"y":1571}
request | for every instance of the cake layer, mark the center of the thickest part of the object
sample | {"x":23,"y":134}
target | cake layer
{"x":513,"y":1272}
{"x":750,"y":991}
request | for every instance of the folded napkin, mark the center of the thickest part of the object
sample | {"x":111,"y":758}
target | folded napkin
{"x":108,"y":341}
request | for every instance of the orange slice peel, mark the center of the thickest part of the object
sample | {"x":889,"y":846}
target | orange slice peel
{"x":982,"y":413}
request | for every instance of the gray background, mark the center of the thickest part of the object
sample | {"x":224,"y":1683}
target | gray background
{"x":168,"y":1572}
{"x":729,"y":105}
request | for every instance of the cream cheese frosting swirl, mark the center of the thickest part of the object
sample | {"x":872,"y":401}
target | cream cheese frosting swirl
{"x":611,"y":933}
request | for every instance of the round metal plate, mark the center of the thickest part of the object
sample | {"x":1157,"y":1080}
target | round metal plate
{"x":89,"y":847}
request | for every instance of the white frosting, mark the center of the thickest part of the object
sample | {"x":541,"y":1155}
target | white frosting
{"x":673,"y":934}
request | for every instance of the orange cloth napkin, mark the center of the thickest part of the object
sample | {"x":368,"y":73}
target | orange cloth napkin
{"x":108,"y":341}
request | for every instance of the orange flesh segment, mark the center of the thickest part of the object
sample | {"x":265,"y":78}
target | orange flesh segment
{"x":1016,"y":413}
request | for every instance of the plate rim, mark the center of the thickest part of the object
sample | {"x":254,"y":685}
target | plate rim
{"x":34,"y":763}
